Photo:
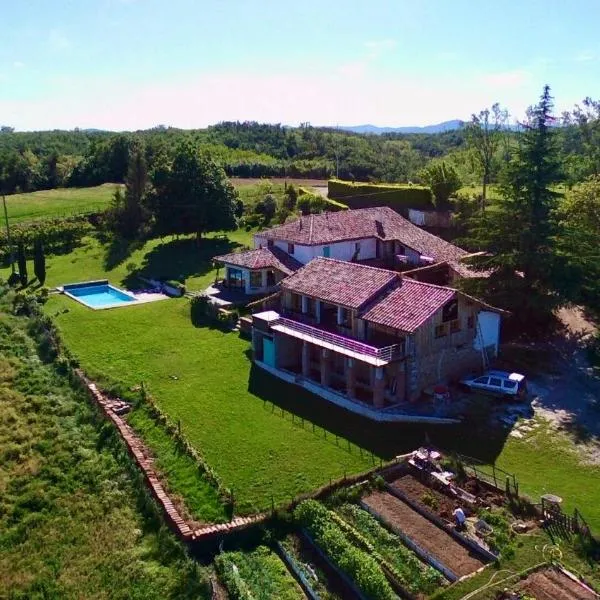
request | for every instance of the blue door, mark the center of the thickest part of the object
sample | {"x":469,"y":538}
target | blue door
{"x":268,"y":352}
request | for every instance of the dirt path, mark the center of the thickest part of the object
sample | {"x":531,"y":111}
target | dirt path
{"x":552,"y":584}
{"x":431,"y":538}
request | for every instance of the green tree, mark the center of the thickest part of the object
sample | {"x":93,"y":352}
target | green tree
{"x":443,"y":180}
{"x":579,"y":216}
{"x":483,"y":134}
{"x":520,"y":235}
{"x":193,"y":195}
{"x":266,"y":207}
{"x":22,"y":262}
{"x":585,"y":118}
{"x":39,"y":261}
{"x":290,"y":197}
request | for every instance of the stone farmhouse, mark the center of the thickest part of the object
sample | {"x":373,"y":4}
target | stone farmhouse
{"x":356,"y":318}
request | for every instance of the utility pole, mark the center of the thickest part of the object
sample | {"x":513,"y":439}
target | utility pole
{"x":10,"y":248}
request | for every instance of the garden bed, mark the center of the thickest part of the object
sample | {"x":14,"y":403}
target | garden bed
{"x":323,"y":580}
{"x":418,"y":578}
{"x":260,"y":574}
{"x":554,"y":584}
{"x":434,"y":540}
{"x":427,"y":497}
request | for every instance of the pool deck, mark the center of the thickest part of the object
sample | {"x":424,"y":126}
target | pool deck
{"x":140,"y":297}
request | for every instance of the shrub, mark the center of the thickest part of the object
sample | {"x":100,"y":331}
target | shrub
{"x":400,"y":197}
{"x":199,"y":307}
{"x":429,"y":499}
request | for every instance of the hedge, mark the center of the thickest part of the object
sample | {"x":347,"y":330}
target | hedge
{"x":400,"y":197}
{"x":327,"y":203}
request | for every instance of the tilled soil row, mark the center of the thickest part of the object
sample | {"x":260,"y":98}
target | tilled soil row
{"x":552,"y":584}
{"x":442,"y":546}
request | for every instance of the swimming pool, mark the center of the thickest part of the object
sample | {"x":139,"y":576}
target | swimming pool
{"x":98,"y":294}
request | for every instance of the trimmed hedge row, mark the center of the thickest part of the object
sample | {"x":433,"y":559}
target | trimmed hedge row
{"x":326,"y":203}
{"x":400,"y":197}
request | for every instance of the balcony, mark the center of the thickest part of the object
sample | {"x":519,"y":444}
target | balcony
{"x":377,"y":356}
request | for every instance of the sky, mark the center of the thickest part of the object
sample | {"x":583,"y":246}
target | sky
{"x":134,"y":64}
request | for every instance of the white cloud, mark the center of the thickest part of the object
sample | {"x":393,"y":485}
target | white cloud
{"x":507,"y":79}
{"x":18,"y":64}
{"x":447,"y":56}
{"x":585,"y":56}
{"x":326,"y":98}
{"x":58,"y":40}
{"x":378,"y":47}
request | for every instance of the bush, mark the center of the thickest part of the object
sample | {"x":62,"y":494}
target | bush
{"x":199,"y":309}
{"x":176,"y":285}
{"x":400,"y":197}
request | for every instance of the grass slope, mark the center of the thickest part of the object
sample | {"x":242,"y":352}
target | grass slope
{"x":60,"y":202}
{"x":255,"y":451}
{"x":70,"y":520}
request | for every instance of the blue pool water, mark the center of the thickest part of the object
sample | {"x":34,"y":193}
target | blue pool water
{"x":98,"y":295}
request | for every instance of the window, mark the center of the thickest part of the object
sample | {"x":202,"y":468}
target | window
{"x":440,"y":331}
{"x":326,"y":251}
{"x":290,"y":248}
{"x":401,"y":250}
{"x":495,"y":381}
{"x":455,"y":326}
{"x":270,"y":243}
{"x":509,"y":383}
{"x":482,"y":380}
{"x":471,"y":322}
{"x":255,"y":279}
{"x":450,"y":311}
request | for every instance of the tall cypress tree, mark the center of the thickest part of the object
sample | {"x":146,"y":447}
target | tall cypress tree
{"x":22,"y":262}
{"x":39,"y":261}
{"x":519,"y":235}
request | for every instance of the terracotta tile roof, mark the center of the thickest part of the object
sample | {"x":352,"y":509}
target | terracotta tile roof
{"x":380,"y":222}
{"x":408,"y":306}
{"x":262,"y":258}
{"x":340,"y":282}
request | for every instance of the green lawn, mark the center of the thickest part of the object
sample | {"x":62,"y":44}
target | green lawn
{"x":75,"y":520}
{"x":253,"y":449}
{"x":60,"y":202}
{"x":168,"y":258}
{"x":155,"y":341}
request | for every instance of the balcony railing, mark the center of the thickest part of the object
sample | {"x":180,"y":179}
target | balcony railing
{"x":384,"y":354}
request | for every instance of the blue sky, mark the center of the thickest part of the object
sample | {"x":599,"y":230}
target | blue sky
{"x":128,"y":64}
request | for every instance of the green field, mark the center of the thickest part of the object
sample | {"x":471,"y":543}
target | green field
{"x":75,"y":521}
{"x":61,"y":202}
{"x":255,"y":451}
{"x":219,"y":398}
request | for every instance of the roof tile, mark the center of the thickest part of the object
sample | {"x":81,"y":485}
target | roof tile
{"x":340,"y":282}
{"x":262,"y":258}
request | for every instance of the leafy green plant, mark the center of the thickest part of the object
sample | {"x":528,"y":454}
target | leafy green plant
{"x":429,"y":499}
{"x":358,"y":564}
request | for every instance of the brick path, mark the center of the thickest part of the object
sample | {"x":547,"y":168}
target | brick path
{"x":113,"y":409}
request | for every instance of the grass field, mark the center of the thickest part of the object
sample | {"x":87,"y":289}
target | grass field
{"x":152,"y":342}
{"x":70,"y":520}
{"x":57,"y":203}
{"x":255,"y":451}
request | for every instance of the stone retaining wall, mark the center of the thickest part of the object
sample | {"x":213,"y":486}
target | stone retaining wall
{"x":112,"y":409}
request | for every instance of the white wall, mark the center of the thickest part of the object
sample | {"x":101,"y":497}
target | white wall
{"x":339,"y":250}
{"x":489,"y":328}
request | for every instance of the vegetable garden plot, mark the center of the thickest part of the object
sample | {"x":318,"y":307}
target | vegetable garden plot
{"x":259,"y":574}
{"x":554,"y":584}
{"x":440,"y":544}
{"x":417,"y":577}
{"x":321,"y":578}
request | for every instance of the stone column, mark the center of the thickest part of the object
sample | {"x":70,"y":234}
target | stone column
{"x":340,"y":315}
{"x":305,"y":359}
{"x":325,"y":367}
{"x":378,"y":388}
{"x":318,"y":310}
{"x":350,"y":378}
{"x":304,"y":304}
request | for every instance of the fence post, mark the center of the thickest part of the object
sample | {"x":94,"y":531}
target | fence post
{"x":494,"y":472}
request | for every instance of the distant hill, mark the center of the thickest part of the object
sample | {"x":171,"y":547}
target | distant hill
{"x":438,"y":128}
